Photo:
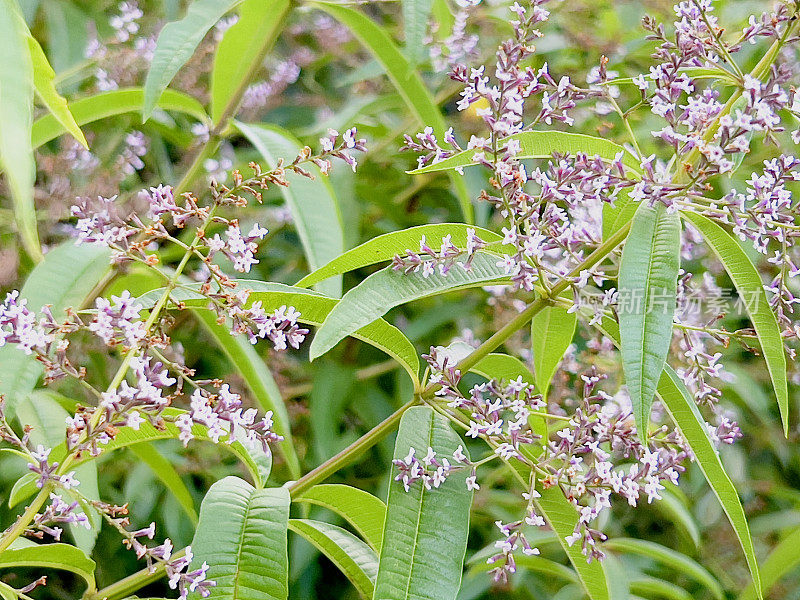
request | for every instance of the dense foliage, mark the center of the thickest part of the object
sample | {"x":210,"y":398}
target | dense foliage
{"x":418,"y":299}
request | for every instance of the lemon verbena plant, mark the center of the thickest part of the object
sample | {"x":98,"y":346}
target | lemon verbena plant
{"x":548,"y":249}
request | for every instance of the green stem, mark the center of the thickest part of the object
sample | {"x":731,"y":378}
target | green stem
{"x":26,"y":517}
{"x":132,"y":583}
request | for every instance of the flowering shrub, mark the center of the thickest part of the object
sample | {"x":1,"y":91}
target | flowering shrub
{"x":609,"y":212}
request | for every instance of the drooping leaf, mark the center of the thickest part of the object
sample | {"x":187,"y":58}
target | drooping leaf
{"x":671,"y":558}
{"x":684,"y":413}
{"x":236,"y":58}
{"x":314,"y":308}
{"x":648,"y":276}
{"x":416,"y":14}
{"x":110,"y":104}
{"x":242,"y":537}
{"x":362,"y":510}
{"x":751,"y":289}
{"x":542,"y":144}
{"x":166,"y":473}
{"x":259,"y":380}
{"x":43,"y":81}
{"x":176,"y":43}
{"x":386,"y":246}
{"x":16,"y":119}
{"x":384,"y":290}
{"x":354,"y":558}
{"x":425,"y":534}
{"x":65,"y":277}
{"x":51,"y":556}
{"x":552,"y":330}
{"x":404,"y":77}
{"x":315,"y":210}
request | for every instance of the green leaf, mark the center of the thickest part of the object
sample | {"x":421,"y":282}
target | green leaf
{"x":684,"y":413}
{"x":43,"y":81}
{"x":552,"y":330}
{"x":237,"y":54}
{"x":648,"y":277}
{"x":683,"y":410}
{"x":562,"y":517}
{"x":353,"y":557}
{"x":258,"y":378}
{"x":671,"y":558}
{"x":314,"y":308}
{"x":780,"y":562}
{"x":167,"y":474}
{"x":542,"y":144}
{"x":751,"y":289}
{"x":313,"y":203}
{"x":362,"y":510}
{"x":175,"y":45}
{"x":242,"y":537}
{"x":110,"y":104}
{"x":404,"y":77}
{"x":51,"y":556}
{"x":425,"y":534}
{"x":16,"y":118}
{"x":386,"y":246}
{"x":416,"y":14}
{"x":65,"y":278}
{"x":382,"y":291}
{"x":48,"y":420}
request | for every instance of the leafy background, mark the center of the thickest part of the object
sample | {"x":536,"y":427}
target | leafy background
{"x":335,"y":399}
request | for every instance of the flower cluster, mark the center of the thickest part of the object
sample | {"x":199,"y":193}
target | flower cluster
{"x":57,"y":513}
{"x":447,"y":256}
{"x":430,"y":470}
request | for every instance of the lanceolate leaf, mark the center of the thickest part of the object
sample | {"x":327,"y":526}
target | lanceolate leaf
{"x":751,"y":290}
{"x":684,"y":413}
{"x":314,"y":308}
{"x":50,"y":556}
{"x":648,"y":276}
{"x":542,"y":144}
{"x":683,"y":410}
{"x":242,"y":537}
{"x":176,"y":43}
{"x":386,"y":246}
{"x":313,"y":203}
{"x":425,"y":535}
{"x":257,"y":376}
{"x":65,"y":277}
{"x":405,"y":79}
{"x":614,"y":217}
{"x":16,"y":118}
{"x":353,"y":557}
{"x":361,"y":509}
{"x":237,"y":54}
{"x":671,"y":558}
{"x":110,"y":104}
{"x":382,"y":291}
{"x":416,"y":14}
{"x":552,"y":330}
{"x":43,"y":76}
